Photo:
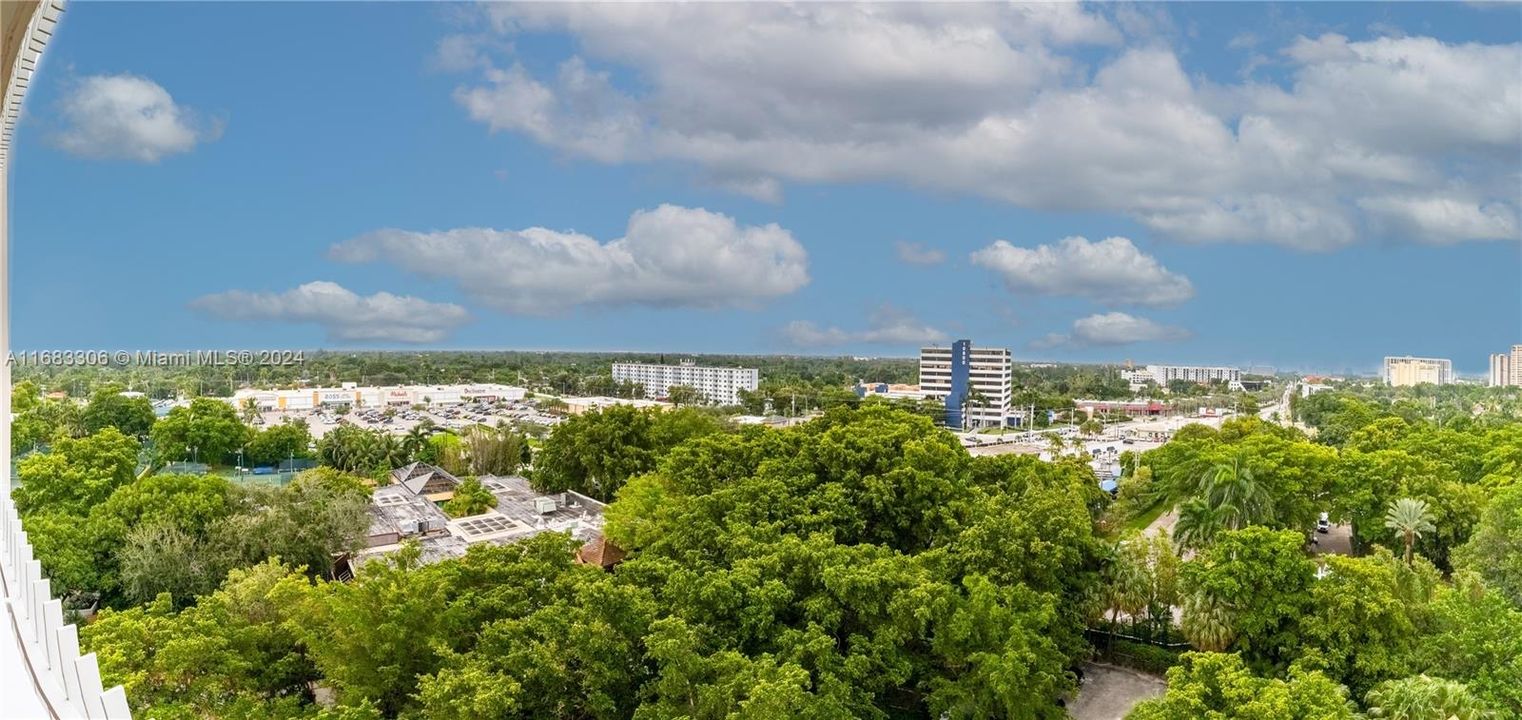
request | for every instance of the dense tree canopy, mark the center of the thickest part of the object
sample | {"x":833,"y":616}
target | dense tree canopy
{"x":596,"y":452}
{"x":76,"y":474}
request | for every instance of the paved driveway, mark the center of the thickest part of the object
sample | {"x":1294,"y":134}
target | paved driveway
{"x":1109,"y":692}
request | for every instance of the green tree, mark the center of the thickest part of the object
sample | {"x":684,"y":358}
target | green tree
{"x":76,"y":474}
{"x":318,"y":516}
{"x":108,"y":407}
{"x":596,"y":452}
{"x":234,"y":654}
{"x":208,"y":431}
{"x":1475,"y":636}
{"x":1366,"y":619}
{"x":683,"y":395}
{"x":493,"y":451}
{"x":1409,"y":518}
{"x":470,"y":498}
{"x":287,"y":441}
{"x":1220,"y":687}
{"x":1495,"y":549}
{"x":1262,"y":579}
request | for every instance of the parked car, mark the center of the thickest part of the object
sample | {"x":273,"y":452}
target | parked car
{"x":1324,"y":524}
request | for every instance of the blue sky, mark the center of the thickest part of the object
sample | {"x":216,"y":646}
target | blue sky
{"x":1308,"y":186}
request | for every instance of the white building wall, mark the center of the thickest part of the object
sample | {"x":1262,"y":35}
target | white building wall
{"x":718,"y":385}
{"x":990,"y":371}
{"x":1407,"y":371}
{"x":1164,"y":374}
{"x":1500,"y":370}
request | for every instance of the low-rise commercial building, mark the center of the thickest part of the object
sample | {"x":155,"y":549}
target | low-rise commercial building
{"x":409,"y":509}
{"x":579,"y":405}
{"x":717,"y":385}
{"x":1132,"y":408}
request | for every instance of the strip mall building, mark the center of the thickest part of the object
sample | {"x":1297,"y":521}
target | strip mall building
{"x":353,"y":395}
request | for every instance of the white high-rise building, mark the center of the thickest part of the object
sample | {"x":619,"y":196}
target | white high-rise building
{"x":1516,"y":365}
{"x":1406,"y":371}
{"x":718,"y":385}
{"x":976,"y":384}
{"x":1500,"y":369}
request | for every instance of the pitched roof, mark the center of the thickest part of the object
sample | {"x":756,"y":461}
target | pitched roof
{"x":600,"y":552}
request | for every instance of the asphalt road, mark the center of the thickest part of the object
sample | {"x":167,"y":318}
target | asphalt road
{"x":1109,"y":692}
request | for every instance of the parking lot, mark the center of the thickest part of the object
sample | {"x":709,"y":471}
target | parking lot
{"x":400,"y":420}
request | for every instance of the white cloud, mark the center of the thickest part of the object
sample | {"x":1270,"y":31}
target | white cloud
{"x":127,"y":117}
{"x":887,"y":326}
{"x":1115,"y":328}
{"x":986,"y":100}
{"x":346,"y":316}
{"x":668,"y":257}
{"x":917,"y":254}
{"x":1439,"y":219}
{"x":1111,"y":271}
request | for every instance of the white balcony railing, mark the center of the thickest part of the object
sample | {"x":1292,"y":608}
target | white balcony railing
{"x":67,"y":684}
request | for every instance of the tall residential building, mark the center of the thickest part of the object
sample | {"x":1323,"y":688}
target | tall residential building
{"x":1516,"y":365}
{"x":1406,"y":371}
{"x":976,"y":384}
{"x":1500,"y":369}
{"x":718,"y":385}
{"x":1164,"y":374}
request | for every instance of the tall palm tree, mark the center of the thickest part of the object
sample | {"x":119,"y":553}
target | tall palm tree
{"x":1409,"y":518}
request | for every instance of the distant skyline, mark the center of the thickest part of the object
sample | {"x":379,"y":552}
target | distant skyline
{"x":1306,"y":186}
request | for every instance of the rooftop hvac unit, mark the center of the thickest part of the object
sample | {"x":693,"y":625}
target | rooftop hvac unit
{"x":544,"y":505}
{"x":409,"y":527}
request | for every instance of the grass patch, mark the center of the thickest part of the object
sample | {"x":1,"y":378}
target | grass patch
{"x":1141,"y":520}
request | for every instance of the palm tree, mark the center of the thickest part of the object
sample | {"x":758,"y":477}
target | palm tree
{"x":416,"y":438}
{"x":1199,"y":522}
{"x":1422,"y":697}
{"x":250,"y":410}
{"x":1236,"y":493}
{"x":1055,"y":444}
{"x":1207,"y":622}
{"x":1409,"y":518}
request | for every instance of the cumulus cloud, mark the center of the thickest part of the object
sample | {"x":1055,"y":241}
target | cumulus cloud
{"x":1112,"y":271}
{"x":887,"y":326}
{"x":917,"y":254}
{"x":983,"y":99}
{"x":1115,"y":328}
{"x":345,"y":316}
{"x":127,"y":117}
{"x":668,"y":257}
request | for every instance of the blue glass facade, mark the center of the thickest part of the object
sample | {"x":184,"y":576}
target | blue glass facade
{"x":961,"y":362}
